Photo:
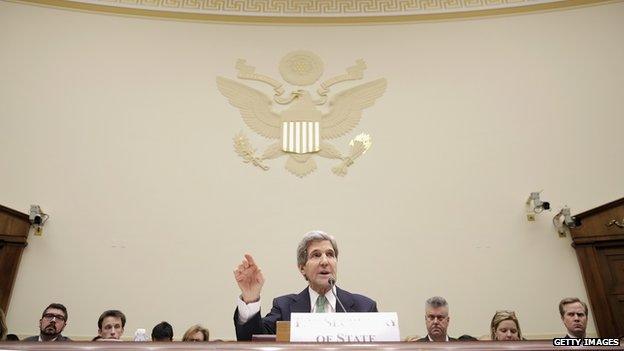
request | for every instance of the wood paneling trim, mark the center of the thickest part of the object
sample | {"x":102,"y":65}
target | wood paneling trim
{"x":597,"y":224}
{"x":13,"y":226}
{"x":13,"y":223}
{"x":602,"y":240}
{"x":599,"y":209}
{"x":13,"y":239}
{"x":14,"y":213}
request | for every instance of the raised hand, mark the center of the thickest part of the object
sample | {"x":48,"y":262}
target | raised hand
{"x":249,"y":278}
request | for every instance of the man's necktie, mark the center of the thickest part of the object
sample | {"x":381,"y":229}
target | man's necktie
{"x":321,"y":303}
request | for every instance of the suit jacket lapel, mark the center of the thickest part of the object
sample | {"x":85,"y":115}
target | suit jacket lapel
{"x":302,"y":302}
{"x":346,"y":299}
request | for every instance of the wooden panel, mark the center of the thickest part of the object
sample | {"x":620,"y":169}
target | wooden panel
{"x":283,"y":331}
{"x":611,"y":259}
{"x":617,"y":306}
{"x":10,"y":257}
{"x":594,"y":284}
{"x":263,"y":346}
{"x":14,"y":227}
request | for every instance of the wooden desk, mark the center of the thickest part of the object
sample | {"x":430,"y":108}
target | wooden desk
{"x":545,"y":345}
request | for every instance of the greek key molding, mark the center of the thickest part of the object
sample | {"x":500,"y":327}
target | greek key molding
{"x":304,"y":8}
{"x":316,"y":11}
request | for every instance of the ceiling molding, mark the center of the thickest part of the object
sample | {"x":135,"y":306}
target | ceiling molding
{"x":317,"y":11}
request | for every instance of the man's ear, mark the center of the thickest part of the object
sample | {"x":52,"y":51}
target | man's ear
{"x":100,"y":331}
{"x":302,"y":270}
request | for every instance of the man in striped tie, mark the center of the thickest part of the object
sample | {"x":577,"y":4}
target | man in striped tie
{"x":317,"y":259}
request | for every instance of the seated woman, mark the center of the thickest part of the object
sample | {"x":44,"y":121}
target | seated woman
{"x":196,"y":333}
{"x":505,"y":326}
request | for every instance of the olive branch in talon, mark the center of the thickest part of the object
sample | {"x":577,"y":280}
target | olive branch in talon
{"x":243,"y":149}
{"x":359,"y":145}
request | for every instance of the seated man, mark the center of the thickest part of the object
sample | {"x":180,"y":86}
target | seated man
{"x":162,"y":331}
{"x":53,"y":321}
{"x":111,"y":325}
{"x":317,"y":256}
{"x":574,"y":314}
{"x":436,"y":319}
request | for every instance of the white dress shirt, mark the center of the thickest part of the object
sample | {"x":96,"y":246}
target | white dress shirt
{"x":430,"y":339}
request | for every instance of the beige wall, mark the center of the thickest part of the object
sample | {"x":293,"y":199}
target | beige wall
{"x":115,"y":127}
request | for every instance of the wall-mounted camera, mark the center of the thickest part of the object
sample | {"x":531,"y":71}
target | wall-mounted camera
{"x":535,"y":205}
{"x":563,"y":221}
{"x":37,"y":219}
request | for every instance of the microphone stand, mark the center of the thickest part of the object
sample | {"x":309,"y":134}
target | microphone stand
{"x":332,"y":284}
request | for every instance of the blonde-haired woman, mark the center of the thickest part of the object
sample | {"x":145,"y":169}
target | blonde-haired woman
{"x":505,"y":326}
{"x":196,"y":333}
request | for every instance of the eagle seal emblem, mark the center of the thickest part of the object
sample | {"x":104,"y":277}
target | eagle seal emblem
{"x":302,"y":122}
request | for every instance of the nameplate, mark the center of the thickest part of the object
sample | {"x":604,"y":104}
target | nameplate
{"x":344,"y":327}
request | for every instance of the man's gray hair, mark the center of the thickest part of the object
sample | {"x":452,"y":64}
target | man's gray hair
{"x":315,"y":235}
{"x":435,"y":302}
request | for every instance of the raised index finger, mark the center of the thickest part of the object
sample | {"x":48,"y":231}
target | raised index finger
{"x":250,"y":259}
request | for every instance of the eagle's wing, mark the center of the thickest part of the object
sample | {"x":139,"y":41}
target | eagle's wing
{"x":347,"y":106}
{"x":255,"y":107}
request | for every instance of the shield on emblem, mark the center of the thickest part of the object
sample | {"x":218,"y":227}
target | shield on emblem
{"x":300,"y":137}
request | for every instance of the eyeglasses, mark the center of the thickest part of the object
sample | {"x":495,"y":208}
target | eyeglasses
{"x":50,"y":316}
{"x":432,"y":317}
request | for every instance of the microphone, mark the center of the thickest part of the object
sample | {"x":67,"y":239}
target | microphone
{"x":332,"y":284}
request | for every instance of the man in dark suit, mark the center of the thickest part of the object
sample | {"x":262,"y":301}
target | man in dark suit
{"x":437,"y":320}
{"x":317,"y":256}
{"x":53,"y":321}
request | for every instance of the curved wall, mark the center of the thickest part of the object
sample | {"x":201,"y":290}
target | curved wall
{"x":114,"y":125}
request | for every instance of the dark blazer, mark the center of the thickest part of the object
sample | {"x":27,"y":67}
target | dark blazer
{"x":283,"y":306}
{"x":36,"y":338}
{"x":426,"y":339}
